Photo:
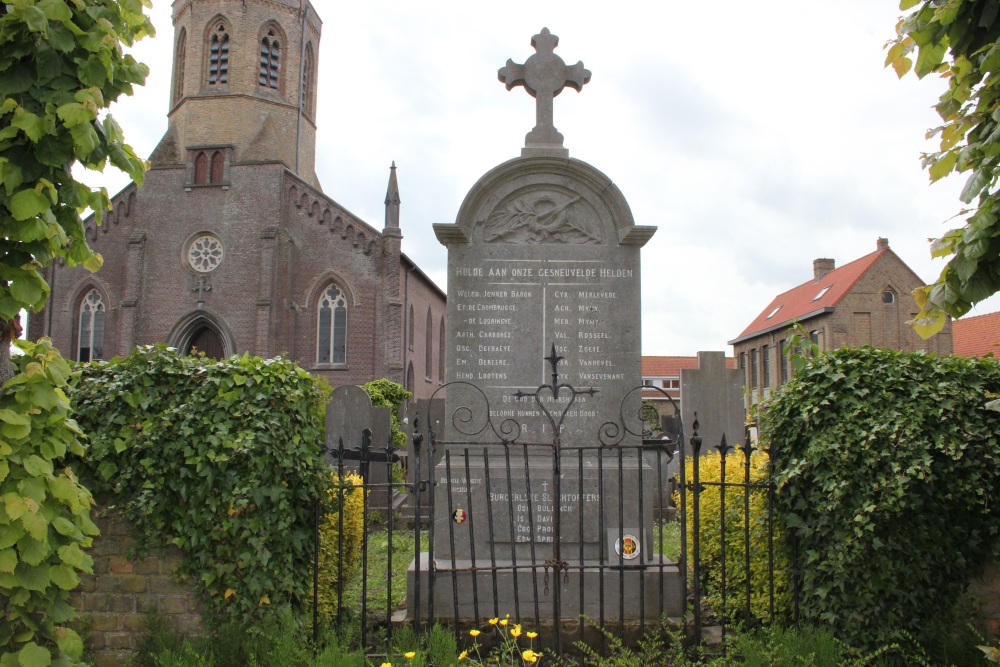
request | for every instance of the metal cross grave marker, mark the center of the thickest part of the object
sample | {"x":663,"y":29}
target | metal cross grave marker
{"x":544,"y":75}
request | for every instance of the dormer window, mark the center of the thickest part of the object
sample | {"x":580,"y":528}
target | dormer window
{"x":218,"y":56}
{"x":822,"y":293}
{"x":773,"y":313}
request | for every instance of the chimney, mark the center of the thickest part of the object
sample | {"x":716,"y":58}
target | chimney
{"x":882,"y":243}
{"x":823,"y":266}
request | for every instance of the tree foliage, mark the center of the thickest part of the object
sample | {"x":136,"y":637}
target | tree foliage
{"x":220,"y":458}
{"x":45,"y":517}
{"x":888,"y":473}
{"x":61,"y":64}
{"x":960,"y":41}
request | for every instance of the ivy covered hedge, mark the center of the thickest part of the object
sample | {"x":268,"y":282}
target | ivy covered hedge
{"x":889,"y":476}
{"x":220,"y":458}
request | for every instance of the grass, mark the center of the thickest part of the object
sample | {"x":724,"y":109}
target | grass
{"x":374,"y":576}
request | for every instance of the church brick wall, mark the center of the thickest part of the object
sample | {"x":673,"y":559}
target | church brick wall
{"x":424,"y":296}
{"x":284,"y":241}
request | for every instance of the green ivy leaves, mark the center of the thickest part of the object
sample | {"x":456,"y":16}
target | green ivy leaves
{"x":888,"y":474}
{"x":44,"y":512}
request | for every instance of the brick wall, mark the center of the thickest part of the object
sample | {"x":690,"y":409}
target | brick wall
{"x":115,"y":599}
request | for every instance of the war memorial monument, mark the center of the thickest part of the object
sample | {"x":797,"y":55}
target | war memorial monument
{"x":542,"y":500}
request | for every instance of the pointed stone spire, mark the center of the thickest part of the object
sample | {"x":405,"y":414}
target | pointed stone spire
{"x":392,"y":200}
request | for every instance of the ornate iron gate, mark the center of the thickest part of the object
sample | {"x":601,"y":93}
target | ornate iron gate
{"x":560,"y":535}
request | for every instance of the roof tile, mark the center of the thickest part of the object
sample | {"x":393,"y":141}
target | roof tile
{"x":977,"y":336}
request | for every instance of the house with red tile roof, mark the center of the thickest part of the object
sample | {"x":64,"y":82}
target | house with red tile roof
{"x":973,"y":336}
{"x":864,"y":302}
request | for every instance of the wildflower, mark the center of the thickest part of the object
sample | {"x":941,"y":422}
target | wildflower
{"x":409,"y":655}
{"x":532,"y":635}
{"x":503,"y":621}
{"x":515,"y":631}
{"x":530,"y":656}
{"x":474,"y":633}
{"x":386,"y":664}
{"x":493,"y":621}
{"x":463,"y":655}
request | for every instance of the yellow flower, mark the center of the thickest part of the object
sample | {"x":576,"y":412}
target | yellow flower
{"x":503,"y":621}
{"x":409,"y":655}
{"x":386,"y":664}
{"x":530,"y":656}
{"x":493,"y":621}
{"x":515,"y":631}
{"x":474,"y":633}
{"x":532,"y":635}
{"x":463,"y":655}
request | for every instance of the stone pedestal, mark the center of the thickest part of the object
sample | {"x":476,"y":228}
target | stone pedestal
{"x":497,"y":519}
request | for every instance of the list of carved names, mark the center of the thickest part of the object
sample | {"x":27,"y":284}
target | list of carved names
{"x":508,"y":313}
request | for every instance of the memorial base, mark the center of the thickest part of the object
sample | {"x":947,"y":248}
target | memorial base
{"x":601,"y":593}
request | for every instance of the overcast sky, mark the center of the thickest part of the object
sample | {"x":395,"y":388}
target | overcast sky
{"x":755,"y":136}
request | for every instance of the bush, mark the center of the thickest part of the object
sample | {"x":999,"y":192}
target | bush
{"x":710,"y":536}
{"x":341,"y":531}
{"x":221,"y":459}
{"x":888,"y":476}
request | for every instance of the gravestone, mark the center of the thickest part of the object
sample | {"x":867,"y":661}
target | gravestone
{"x":349,"y":415}
{"x":715,"y":392}
{"x":543,"y":289}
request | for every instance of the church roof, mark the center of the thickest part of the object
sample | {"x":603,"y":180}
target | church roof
{"x":811,"y":298}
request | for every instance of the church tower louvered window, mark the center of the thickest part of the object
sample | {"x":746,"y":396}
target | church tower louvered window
{"x":218,"y":56}
{"x":270,"y":60}
{"x":308,"y":90}
{"x":180,"y":56}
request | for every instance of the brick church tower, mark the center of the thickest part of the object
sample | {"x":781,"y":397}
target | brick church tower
{"x":231,"y":246}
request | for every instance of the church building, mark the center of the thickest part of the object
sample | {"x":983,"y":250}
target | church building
{"x":231,"y":246}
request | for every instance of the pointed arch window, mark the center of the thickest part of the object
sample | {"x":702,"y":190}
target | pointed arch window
{"x":409,"y":378}
{"x":91,"y":343}
{"x":308,"y":76}
{"x":218,"y":167}
{"x":180,"y":58}
{"x":218,"y":56}
{"x":410,"y":330}
{"x":201,"y":168}
{"x":331,"y":339}
{"x":270,"y":60}
{"x":429,"y":346}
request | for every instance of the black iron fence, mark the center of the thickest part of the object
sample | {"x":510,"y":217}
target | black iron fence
{"x":562,"y":536}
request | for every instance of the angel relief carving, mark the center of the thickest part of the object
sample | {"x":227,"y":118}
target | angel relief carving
{"x":544,"y":217}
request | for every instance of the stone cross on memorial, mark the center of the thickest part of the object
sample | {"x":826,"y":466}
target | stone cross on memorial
{"x":544,"y":75}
